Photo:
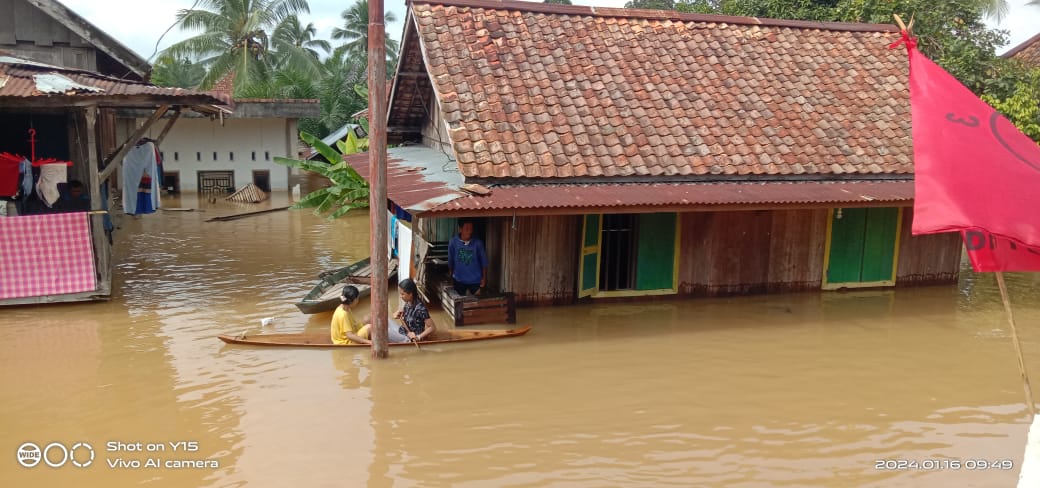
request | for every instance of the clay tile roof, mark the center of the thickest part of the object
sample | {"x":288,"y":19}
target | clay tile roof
{"x":532,"y":90}
{"x":1028,"y":52}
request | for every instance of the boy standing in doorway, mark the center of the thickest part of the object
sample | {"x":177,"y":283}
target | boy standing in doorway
{"x":467,"y":261}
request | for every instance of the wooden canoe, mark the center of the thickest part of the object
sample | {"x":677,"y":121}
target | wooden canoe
{"x":323,"y":339}
{"x":325,"y":295}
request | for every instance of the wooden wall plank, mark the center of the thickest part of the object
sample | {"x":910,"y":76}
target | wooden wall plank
{"x":927,"y":259}
{"x":7,"y":22}
{"x":539,"y":258}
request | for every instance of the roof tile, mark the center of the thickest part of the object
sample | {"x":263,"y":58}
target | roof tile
{"x":664,"y":93}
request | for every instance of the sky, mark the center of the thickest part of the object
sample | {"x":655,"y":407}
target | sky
{"x":139,"y":23}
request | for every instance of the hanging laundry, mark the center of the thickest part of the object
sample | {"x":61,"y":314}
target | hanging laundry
{"x":27,"y":178}
{"x":50,"y":176}
{"x":139,"y":163}
{"x":10,"y":170}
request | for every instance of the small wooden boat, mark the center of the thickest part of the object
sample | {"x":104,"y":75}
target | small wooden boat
{"x":325,"y":295}
{"x":323,"y":339}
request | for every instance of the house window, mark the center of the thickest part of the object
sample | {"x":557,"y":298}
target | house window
{"x":214,"y":155}
{"x":231,"y":156}
{"x":267,"y":155}
{"x":629,"y":254}
{"x":198,"y":156}
{"x":176,"y":156}
{"x":254,"y":155}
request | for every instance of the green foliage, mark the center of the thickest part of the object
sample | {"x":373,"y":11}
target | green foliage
{"x":354,"y":31}
{"x":1020,"y":105}
{"x":348,"y":190}
{"x":177,"y":72}
{"x":651,"y":4}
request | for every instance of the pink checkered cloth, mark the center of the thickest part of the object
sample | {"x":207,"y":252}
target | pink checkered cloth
{"x":46,"y":255}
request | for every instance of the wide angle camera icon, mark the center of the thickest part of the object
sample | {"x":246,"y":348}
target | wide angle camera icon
{"x":29,"y":455}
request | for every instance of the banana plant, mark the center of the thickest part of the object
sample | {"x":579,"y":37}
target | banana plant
{"x":348,"y":191}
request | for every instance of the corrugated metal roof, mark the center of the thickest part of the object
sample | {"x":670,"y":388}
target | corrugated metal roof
{"x":418,"y":178}
{"x":426,"y":181}
{"x":580,"y":197}
{"x":29,"y":79}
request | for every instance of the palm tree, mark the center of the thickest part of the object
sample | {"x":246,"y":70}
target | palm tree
{"x":995,"y":9}
{"x":234,"y":37}
{"x":296,"y":48}
{"x":355,"y":30}
{"x":179,"y":72}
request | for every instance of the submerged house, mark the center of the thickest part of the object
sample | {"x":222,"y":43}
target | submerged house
{"x":617,"y":152}
{"x":219,"y":154}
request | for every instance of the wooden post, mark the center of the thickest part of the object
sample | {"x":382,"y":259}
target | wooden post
{"x":102,"y":249}
{"x":1018,"y":345}
{"x":377,"y":175}
{"x":113,"y":162}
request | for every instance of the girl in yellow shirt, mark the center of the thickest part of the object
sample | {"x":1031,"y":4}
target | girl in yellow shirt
{"x":345,"y":328}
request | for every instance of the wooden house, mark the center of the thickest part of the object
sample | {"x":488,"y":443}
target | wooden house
{"x":611,"y":153}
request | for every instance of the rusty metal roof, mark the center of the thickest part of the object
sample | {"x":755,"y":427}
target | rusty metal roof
{"x":619,"y":197}
{"x":45,"y":84}
{"x":418,"y":177}
{"x":530,"y":90}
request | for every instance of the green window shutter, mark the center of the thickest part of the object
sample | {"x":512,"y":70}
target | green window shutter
{"x":655,"y":266}
{"x":845,"y":263}
{"x":879,"y":244}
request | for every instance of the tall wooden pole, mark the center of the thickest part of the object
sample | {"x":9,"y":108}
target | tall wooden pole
{"x":1018,"y":346}
{"x":377,"y":174}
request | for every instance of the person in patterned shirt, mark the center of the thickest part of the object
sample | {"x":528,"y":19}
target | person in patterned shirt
{"x":416,"y":318}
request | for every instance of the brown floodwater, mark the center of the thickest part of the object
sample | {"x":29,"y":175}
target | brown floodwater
{"x":806,"y":389}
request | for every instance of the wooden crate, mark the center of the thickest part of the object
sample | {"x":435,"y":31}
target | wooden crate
{"x":471,"y":310}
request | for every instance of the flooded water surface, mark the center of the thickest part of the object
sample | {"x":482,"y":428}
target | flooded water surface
{"x":815,"y":389}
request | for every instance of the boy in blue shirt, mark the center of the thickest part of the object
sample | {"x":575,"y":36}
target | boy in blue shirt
{"x":467,"y":261}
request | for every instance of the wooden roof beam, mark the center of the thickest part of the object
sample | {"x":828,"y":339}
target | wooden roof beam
{"x":112,"y":162}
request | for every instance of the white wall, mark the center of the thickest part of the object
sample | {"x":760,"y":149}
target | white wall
{"x":242,"y":137}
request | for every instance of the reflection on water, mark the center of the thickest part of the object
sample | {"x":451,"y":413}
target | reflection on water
{"x":787,"y":390}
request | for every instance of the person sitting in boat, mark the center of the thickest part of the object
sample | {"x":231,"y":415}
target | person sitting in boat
{"x":417,"y":322}
{"x":467,"y":261}
{"x":345,"y":328}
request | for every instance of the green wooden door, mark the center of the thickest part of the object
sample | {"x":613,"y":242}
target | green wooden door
{"x":862,"y":245}
{"x":588,"y":271}
{"x":655,"y":262}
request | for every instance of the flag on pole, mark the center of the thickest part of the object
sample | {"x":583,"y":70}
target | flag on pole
{"x":974,"y":171}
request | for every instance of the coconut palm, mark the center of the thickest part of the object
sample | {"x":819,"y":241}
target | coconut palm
{"x":355,"y":30}
{"x":234,"y":36}
{"x":296,"y":47}
{"x":179,"y":72}
{"x":994,"y":9}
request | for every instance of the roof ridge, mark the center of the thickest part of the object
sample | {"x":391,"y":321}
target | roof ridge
{"x":632,"y":13}
{"x":1021,"y":47}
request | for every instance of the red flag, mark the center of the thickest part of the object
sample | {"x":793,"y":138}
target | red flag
{"x":974,"y":172}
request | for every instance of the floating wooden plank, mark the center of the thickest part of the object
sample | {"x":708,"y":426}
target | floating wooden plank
{"x":243,"y":215}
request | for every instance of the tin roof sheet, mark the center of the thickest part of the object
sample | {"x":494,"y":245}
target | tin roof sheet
{"x":504,"y":200}
{"x":29,"y":79}
{"x":418,"y":177}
